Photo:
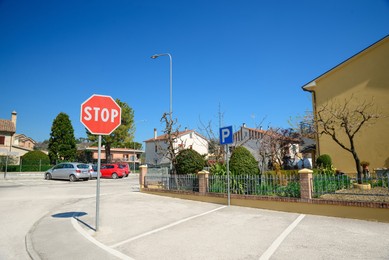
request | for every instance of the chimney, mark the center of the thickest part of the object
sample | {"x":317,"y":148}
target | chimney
{"x":155,"y":133}
{"x":13,"y":118}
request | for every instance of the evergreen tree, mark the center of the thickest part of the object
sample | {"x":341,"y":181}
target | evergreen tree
{"x":62,"y":143}
{"x":242,"y":162}
{"x":122,"y":135}
{"x":189,"y":161}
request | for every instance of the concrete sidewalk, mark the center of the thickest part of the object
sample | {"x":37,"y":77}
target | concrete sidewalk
{"x":135,"y":225}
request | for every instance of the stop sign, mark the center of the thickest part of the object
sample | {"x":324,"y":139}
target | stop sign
{"x":101,"y":115}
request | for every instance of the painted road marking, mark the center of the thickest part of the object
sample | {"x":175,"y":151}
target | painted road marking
{"x":97,"y":243}
{"x":273,"y":247}
{"x":166,"y":227}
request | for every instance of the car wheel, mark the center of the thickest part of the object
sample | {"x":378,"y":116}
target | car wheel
{"x":48,"y":176}
{"x":72,"y":178}
{"x":114,"y":175}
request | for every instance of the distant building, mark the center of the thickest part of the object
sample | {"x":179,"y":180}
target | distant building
{"x":7,"y":130}
{"x":22,"y":144}
{"x":131,"y":156}
{"x":156,"y":147}
{"x":267,"y":146}
{"x":13,"y":144}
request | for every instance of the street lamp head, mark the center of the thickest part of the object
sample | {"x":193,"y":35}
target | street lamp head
{"x":155,"y":56}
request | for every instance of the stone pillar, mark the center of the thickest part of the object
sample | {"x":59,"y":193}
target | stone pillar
{"x":142,"y":175}
{"x":306,"y":183}
{"x":203,"y":182}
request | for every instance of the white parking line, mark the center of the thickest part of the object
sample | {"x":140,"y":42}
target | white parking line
{"x":273,"y":247}
{"x":165,"y":227}
{"x":97,"y":243}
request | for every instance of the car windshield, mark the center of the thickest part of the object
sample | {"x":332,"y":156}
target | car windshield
{"x":82,"y":166}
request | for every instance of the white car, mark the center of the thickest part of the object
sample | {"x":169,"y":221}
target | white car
{"x":71,"y":171}
{"x":93,"y":171}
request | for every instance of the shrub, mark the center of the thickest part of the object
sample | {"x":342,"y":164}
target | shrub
{"x":218,"y":169}
{"x":324,"y":161}
{"x":35,"y":161}
{"x":189,"y":161}
{"x":243,"y":162}
{"x":34,"y":156}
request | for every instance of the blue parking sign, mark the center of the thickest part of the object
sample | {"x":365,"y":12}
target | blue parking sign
{"x":226,"y":135}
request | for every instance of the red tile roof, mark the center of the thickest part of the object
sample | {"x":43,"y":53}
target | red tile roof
{"x":7,"y":126}
{"x":175,"y":134}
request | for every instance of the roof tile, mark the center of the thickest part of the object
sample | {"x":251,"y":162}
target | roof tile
{"x":7,"y":126}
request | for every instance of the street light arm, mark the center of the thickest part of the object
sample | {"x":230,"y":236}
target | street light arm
{"x":161,"y":54}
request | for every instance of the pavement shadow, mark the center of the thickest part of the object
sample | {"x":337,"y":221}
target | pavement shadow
{"x":75,"y":215}
{"x":71,"y":214}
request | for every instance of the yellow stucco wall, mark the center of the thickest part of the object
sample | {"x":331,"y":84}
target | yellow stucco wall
{"x":365,"y":76}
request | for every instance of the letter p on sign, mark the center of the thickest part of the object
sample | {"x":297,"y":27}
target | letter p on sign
{"x":226,"y":136}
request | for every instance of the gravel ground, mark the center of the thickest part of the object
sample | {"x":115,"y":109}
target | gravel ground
{"x":373,"y":195}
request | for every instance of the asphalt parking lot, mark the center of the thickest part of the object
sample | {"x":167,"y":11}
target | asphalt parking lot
{"x":56,"y":220}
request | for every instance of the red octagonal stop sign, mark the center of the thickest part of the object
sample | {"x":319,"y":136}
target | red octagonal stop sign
{"x":101,"y":115}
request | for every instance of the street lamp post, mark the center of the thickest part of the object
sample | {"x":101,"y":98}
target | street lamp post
{"x":171,"y":80}
{"x":171,"y":89}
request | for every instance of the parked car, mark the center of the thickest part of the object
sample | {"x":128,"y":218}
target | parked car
{"x":126,"y":168}
{"x":93,"y":171}
{"x":113,"y":171}
{"x":71,"y":171}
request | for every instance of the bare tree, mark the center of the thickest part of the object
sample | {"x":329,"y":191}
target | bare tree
{"x":305,"y":124}
{"x":274,"y":146}
{"x":171,"y":137}
{"x":338,"y":118}
{"x":215,"y":148}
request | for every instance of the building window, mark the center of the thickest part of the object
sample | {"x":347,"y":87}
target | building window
{"x":156,"y":148}
{"x":2,"y":140}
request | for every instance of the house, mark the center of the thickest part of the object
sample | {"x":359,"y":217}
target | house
{"x":131,"y":156}
{"x":156,"y":147}
{"x":11,"y":143}
{"x":22,"y":144}
{"x":7,"y":130}
{"x":364,"y":77}
{"x":268,"y":146}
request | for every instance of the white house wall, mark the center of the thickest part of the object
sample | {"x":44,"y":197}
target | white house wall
{"x":190,"y":140}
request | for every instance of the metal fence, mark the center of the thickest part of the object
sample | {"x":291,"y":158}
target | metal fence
{"x":330,"y":184}
{"x":285,"y":186}
{"x":24,"y":166}
{"x":265,"y":185}
{"x":269,"y":185}
{"x":189,"y":182}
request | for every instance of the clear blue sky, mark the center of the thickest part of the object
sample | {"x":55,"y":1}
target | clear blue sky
{"x":249,"y":57}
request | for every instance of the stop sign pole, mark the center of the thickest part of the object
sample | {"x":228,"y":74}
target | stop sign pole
{"x":101,"y":115}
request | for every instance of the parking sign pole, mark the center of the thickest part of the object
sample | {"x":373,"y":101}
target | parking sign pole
{"x":98,"y":185}
{"x":228,"y":177}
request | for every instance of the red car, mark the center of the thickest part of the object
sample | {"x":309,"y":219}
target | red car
{"x":113,"y":171}
{"x":125,"y":167}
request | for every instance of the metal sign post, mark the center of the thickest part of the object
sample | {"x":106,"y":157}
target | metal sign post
{"x":228,"y":176}
{"x":226,"y":137}
{"x":98,"y":184}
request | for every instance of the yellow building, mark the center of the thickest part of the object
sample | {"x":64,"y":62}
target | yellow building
{"x":363,"y":77}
